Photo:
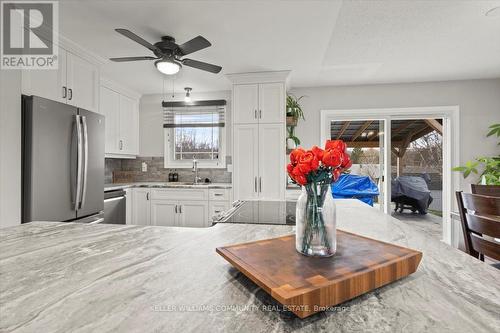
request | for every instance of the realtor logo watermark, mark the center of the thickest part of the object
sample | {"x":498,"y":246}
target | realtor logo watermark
{"x":29,"y":34}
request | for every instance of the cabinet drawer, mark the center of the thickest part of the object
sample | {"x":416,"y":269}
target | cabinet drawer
{"x":179,"y":194}
{"x":217,"y":207}
{"x":218,"y":194}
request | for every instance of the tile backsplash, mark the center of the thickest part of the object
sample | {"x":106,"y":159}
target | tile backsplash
{"x":130,"y":170}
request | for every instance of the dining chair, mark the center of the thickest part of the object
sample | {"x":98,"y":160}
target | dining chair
{"x":491,"y":190}
{"x":480,"y":219}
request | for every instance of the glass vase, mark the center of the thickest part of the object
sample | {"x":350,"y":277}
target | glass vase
{"x":316,"y":221}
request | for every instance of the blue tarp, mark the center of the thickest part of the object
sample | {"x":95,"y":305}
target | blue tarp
{"x":353,"y":186}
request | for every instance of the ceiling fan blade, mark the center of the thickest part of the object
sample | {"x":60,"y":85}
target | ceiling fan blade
{"x":194,"y":45}
{"x":202,"y":65}
{"x":132,"y":59}
{"x":137,"y":39}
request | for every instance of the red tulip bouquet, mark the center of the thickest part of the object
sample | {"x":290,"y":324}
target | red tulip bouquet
{"x":315,"y":170}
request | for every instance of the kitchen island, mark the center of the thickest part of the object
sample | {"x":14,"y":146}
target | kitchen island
{"x":65,"y":277}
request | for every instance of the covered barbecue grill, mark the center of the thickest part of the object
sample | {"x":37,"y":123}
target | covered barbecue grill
{"x":411,"y":192}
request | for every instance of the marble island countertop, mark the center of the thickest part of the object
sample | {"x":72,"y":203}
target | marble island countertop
{"x":66,"y":277}
{"x":120,"y":186}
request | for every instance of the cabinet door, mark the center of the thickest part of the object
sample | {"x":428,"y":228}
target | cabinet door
{"x":141,"y":208}
{"x":246,"y":161}
{"x":245,"y":103}
{"x":109,"y":106}
{"x":83,"y":83}
{"x":164,"y":212}
{"x":271,"y":103}
{"x":193,"y":214}
{"x":215,"y":208}
{"x":50,"y":84}
{"x":272,"y":161}
{"x":129,"y":125}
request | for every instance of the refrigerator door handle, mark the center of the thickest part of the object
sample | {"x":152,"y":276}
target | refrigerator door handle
{"x":78,"y":161}
{"x":85,"y":161}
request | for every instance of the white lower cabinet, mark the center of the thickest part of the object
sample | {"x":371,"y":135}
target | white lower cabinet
{"x":141,"y":207}
{"x":193,"y":214}
{"x":164,"y":212}
{"x":166,"y":207}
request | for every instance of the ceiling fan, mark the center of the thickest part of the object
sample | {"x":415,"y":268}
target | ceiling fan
{"x":168,"y":53}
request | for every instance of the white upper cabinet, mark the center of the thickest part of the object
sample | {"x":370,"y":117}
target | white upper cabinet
{"x":259,"y":103}
{"x":122,"y":120}
{"x":75,"y":82}
{"x":50,"y":84}
{"x":271,"y":102}
{"x":110,"y":108}
{"x":246,"y":103}
{"x":129,"y":125}
{"x":82,"y":79}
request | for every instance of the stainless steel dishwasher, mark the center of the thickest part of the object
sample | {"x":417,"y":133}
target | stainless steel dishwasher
{"x":115,"y":207}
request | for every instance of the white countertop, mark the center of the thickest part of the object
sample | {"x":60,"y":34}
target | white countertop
{"x":119,"y":186}
{"x":69,"y":277}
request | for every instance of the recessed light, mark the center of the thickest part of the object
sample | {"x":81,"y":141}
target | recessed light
{"x":493,"y":12}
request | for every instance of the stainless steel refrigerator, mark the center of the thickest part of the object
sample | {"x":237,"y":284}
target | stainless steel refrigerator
{"x":63,"y":162}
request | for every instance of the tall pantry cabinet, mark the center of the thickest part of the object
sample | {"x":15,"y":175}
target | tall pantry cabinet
{"x":259,"y":141}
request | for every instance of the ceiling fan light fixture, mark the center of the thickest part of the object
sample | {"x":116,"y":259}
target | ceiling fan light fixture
{"x":168,"y":66}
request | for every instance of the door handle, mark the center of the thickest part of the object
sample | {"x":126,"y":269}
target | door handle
{"x":70,"y":94}
{"x":78,"y":161}
{"x":180,"y":209}
{"x":64,"y":92}
{"x":260,"y":114}
{"x":147,"y":195}
{"x":260,"y":184}
{"x":255,"y":114}
{"x":255,"y":184}
{"x":86,"y":159}
{"x":121,"y":145}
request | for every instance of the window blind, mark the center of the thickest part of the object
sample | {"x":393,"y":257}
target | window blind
{"x":197,"y":114}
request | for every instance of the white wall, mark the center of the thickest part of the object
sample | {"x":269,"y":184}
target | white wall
{"x":479,"y":102}
{"x":10,"y":148}
{"x":151,"y":120}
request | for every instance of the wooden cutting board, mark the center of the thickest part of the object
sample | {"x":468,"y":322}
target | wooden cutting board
{"x":306,"y":285}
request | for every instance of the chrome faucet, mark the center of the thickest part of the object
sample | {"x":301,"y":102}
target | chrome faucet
{"x":195,"y":170}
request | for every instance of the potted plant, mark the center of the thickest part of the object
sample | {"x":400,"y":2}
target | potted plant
{"x":293,"y":110}
{"x":490,"y":166}
{"x":292,"y":141}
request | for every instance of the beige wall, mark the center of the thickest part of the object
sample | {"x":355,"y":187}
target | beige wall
{"x":10,"y":148}
{"x":479,"y":102}
{"x":151,"y":120}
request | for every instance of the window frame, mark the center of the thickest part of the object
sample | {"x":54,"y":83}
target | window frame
{"x":169,"y":152}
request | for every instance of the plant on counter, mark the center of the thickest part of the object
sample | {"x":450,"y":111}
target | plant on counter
{"x":490,"y":166}
{"x":315,"y":170}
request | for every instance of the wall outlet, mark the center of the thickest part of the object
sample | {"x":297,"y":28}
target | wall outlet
{"x":144,"y":167}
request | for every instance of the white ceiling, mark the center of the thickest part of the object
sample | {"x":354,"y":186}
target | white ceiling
{"x":322,"y":42}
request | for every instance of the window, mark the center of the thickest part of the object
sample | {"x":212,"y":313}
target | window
{"x":194,"y":132}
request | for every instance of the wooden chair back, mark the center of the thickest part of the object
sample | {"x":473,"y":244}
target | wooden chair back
{"x":491,"y":190}
{"x":480,"y":217}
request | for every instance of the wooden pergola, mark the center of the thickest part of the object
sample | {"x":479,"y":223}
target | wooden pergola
{"x":366,"y":134}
